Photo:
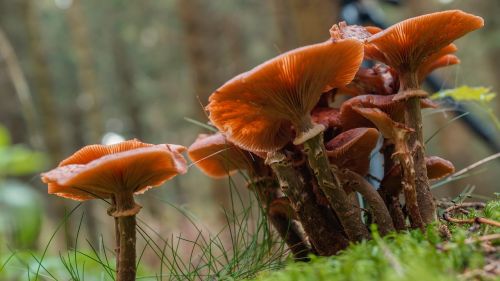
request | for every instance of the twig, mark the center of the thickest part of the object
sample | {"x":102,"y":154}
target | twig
{"x":477,"y":164}
{"x":478,"y":220}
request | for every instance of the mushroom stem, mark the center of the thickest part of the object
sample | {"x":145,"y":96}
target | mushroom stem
{"x":266,"y":191}
{"x":325,"y":239}
{"x":126,"y":220}
{"x":330,"y":185}
{"x":289,"y":232}
{"x":380,"y":211}
{"x":413,"y":119}
{"x":117,"y":233}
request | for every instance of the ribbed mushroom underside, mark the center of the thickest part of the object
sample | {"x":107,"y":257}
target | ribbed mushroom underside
{"x":258,"y":109}
{"x":408,"y":44}
{"x":352,"y":149}
{"x":134,"y":170}
{"x":217,"y":157}
{"x":351,"y":118}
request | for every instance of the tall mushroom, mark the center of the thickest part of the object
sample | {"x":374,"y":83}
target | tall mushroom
{"x":117,"y":172}
{"x":257,"y":110}
{"x":407,"y":47}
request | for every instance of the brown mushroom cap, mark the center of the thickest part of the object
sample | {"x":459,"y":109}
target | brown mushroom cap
{"x":217,"y":157}
{"x":378,"y":80}
{"x":326,"y":116}
{"x":437,"y":168}
{"x":99,"y":171}
{"x":410,"y":43}
{"x":352,"y":149}
{"x":257,"y":109}
{"x":350,"y":117}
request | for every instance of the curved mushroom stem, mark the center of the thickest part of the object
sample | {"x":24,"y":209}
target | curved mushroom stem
{"x":380,"y":211}
{"x":325,"y":239}
{"x":413,"y":120}
{"x":126,"y":209}
{"x":266,"y":191}
{"x":330,"y":185}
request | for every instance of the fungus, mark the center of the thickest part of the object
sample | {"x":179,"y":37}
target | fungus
{"x":398,"y":134}
{"x":217,"y":157}
{"x":118,"y":172}
{"x":408,"y":47}
{"x":350,"y":118}
{"x":258,"y":109}
{"x":352,"y":149}
{"x":437,"y":168}
{"x":378,"y":80}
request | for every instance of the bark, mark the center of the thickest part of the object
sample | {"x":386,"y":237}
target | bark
{"x":21,"y":88}
{"x":90,"y":91}
{"x":47,"y":104}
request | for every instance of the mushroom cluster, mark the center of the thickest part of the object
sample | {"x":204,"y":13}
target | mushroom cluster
{"x":306,"y":124}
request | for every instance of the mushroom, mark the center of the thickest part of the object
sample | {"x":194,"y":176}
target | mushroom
{"x":398,"y":134}
{"x":408,"y":47}
{"x":437,"y":168}
{"x":218,"y":158}
{"x":258,"y":109}
{"x":377,"y":80}
{"x":352,"y":149}
{"x":118,"y":172}
{"x":350,"y":118}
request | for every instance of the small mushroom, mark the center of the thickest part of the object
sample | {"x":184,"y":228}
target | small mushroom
{"x":351,"y":118}
{"x":437,"y":168}
{"x":378,"y":80}
{"x":398,"y":134}
{"x":217,"y":157}
{"x":118,"y":172}
{"x":352,"y":149}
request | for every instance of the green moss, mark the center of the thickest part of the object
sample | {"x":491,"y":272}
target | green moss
{"x":405,"y":256}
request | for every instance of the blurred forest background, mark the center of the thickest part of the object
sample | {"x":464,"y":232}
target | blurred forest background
{"x":76,"y":72}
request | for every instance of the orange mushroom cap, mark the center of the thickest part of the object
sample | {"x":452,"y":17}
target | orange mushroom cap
{"x":350,"y":117}
{"x":217,"y":157}
{"x":352,"y":149}
{"x":407,"y":45}
{"x":257,"y":109}
{"x":99,"y":171}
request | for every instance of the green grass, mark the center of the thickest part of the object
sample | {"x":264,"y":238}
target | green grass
{"x":407,"y":256}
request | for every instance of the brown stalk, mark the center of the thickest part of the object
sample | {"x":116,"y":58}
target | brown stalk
{"x":332,"y":188}
{"x":377,"y":205}
{"x":325,"y":239}
{"x":126,"y":270}
{"x":266,"y":189}
{"x":413,"y":120}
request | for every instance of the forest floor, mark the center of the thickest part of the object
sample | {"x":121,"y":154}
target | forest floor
{"x":461,"y":251}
